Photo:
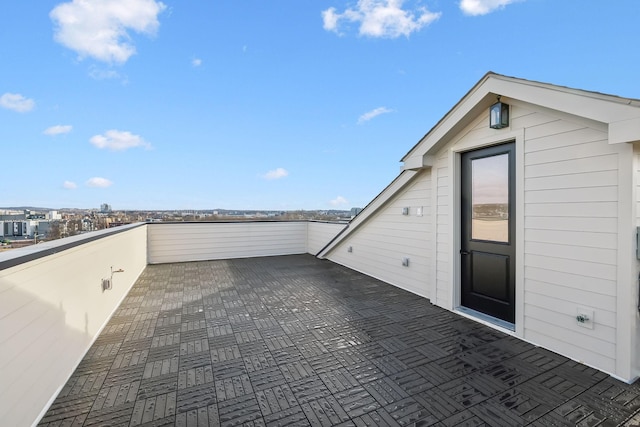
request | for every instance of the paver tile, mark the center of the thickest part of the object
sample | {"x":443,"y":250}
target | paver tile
{"x":293,"y":340}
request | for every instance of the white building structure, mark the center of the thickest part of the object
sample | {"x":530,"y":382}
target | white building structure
{"x":18,"y":229}
{"x":529,"y":227}
{"x":53,"y":216}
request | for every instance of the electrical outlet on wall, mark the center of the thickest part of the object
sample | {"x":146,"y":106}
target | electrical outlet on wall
{"x":584,"y":317}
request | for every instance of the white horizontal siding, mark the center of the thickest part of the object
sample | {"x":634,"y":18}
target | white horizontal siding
{"x":571,"y":167}
{"x":570,"y":232}
{"x":557,"y":280}
{"x":51,"y":310}
{"x":598,"y":178}
{"x":379,"y":246}
{"x":606,"y":224}
{"x":566,"y":341}
{"x":319,"y":234}
{"x":209,"y":241}
{"x":558,"y":298}
{"x":595,"y":255}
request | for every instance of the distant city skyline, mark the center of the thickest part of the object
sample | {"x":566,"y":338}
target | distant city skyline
{"x":64,"y":208}
{"x":251,"y":105}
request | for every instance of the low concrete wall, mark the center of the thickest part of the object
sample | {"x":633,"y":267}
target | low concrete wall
{"x":52,"y":308}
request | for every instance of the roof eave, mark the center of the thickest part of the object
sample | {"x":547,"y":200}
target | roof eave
{"x":622,"y":115}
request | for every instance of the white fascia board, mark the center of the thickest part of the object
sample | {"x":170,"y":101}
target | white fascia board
{"x":451,"y":120}
{"x":622,"y":113}
{"x":591,"y":105}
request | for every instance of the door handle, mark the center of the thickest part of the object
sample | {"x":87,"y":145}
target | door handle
{"x":462,"y":252}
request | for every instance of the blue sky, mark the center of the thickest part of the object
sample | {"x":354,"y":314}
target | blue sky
{"x":258,"y":104}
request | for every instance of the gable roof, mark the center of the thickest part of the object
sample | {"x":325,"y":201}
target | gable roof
{"x":621,"y":115}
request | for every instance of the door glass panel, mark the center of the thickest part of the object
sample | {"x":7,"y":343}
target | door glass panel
{"x":490,"y":198}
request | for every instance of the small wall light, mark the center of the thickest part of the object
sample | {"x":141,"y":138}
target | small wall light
{"x":499,"y":115}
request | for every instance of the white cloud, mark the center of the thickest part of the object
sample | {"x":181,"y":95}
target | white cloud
{"x":100,"y":29}
{"x":373,"y":113}
{"x":69,"y":185}
{"x":58,"y":130}
{"x":116,"y":140}
{"x":97,"y":73}
{"x":482,"y":7}
{"x":98,"y":182}
{"x":338,"y":201}
{"x":330,"y":19}
{"x":276,"y":174}
{"x":380,"y":18}
{"x":16,"y":102}
{"x":196,"y":62}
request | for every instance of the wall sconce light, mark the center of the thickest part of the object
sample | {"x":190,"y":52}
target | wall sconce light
{"x":106,"y":284}
{"x":499,"y":115}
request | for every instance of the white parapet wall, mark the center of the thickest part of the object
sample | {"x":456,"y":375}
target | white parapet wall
{"x":320,"y":233}
{"x":199,"y":241}
{"x":52,"y":308}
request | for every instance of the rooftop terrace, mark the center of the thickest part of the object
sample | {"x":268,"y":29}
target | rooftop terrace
{"x":293,"y":340}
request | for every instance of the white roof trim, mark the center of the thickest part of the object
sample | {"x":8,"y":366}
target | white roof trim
{"x":380,"y":200}
{"x":622,"y":115}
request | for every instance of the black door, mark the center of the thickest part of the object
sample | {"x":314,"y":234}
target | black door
{"x":488,"y":231}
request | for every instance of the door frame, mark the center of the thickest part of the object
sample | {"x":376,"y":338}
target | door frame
{"x":455,"y":225}
{"x":482,"y":251}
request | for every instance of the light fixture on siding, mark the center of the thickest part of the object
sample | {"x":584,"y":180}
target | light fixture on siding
{"x":499,"y":115}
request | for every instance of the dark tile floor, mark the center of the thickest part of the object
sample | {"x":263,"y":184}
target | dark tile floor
{"x":294,"y":340}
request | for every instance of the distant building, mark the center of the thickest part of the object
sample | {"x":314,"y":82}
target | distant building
{"x":14,"y":216}
{"x":53,"y":216}
{"x":355,"y":211}
{"x":18,"y":228}
{"x":105,"y":208}
{"x":88,"y":224}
